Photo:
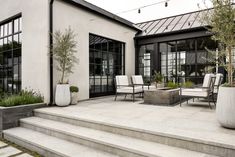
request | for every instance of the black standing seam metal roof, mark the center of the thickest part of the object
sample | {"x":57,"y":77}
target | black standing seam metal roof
{"x":103,"y":12}
{"x":171,"y":24}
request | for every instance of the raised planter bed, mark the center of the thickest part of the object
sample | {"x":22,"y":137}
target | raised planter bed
{"x":162,"y":96}
{"x":9,"y":116}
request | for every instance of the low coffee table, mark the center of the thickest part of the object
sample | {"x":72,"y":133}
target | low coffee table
{"x":162,"y":96}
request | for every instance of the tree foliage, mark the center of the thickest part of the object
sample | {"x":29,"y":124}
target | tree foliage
{"x":220,"y":22}
{"x":63,"y":51}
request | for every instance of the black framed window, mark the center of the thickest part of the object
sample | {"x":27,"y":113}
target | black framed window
{"x":10,"y":55}
{"x":186,"y":59}
{"x":106,"y":60}
{"x":145,"y":61}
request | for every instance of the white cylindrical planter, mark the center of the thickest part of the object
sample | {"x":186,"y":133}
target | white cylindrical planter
{"x":74,"y":98}
{"x":225,"y":108}
{"x":62,"y":95}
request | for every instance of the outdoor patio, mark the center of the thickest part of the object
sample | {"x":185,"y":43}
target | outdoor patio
{"x":194,"y":120}
{"x":123,"y":128}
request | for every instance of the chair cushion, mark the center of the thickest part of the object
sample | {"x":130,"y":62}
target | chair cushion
{"x":122,"y":80}
{"x":129,"y":90}
{"x":197,"y":92}
{"x":207,"y":80}
{"x":218,"y":79}
{"x":137,"y":79}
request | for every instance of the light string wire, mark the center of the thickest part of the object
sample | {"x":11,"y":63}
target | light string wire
{"x":141,"y":7}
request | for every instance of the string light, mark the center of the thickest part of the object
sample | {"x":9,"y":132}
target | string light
{"x":139,"y":8}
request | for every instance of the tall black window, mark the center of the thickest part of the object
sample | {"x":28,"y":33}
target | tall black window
{"x":106,"y":61}
{"x":186,"y":59}
{"x":145,"y":61}
{"x":10,"y":55}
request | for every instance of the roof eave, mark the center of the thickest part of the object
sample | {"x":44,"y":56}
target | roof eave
{"x":102,"y":12}
{"x":172,"y":33}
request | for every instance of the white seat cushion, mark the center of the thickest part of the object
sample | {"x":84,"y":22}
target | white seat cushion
{"x":129,"y":90}
{"x":137,"y":79}
{"x":207,"y":80}
{"x":218,"y":79}
{"x":122,"y":80}
{"x":197,"y":92}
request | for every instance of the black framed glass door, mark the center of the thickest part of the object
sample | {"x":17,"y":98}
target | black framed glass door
{"x":106,"y":60}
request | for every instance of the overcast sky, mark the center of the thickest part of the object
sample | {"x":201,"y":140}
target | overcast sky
{"x":149,"y":13}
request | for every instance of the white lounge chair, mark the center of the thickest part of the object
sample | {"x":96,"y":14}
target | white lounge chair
{"x":123,"y":87}
{"x":206,"y":91}
{"x":138,"y":81}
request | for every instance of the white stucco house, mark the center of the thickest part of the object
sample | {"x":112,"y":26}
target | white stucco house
{"x":105,"y":46}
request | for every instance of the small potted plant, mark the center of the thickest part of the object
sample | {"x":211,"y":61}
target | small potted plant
{"x":74,"y":94}
{"x":158,"y":79}
{"x":63,"y":51}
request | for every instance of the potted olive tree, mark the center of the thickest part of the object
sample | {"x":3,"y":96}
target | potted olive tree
{"x":220,"y":22}
{"x":63,"y":51}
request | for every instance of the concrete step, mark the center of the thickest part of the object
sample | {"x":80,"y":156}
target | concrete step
{"x":50,"y":146}
{"x":105,"y":141}
{"x":162,"y":137}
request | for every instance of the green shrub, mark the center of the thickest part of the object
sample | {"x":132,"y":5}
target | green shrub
{"x":74,"y":89}
{"x":227,"y":85}
{"x":188,"y":84}
{"x":172,"y":85}
{"x":23,"y":98}
{"x":158,"y":77}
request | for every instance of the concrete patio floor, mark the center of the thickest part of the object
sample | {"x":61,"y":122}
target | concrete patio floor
{"x":194,"y":121}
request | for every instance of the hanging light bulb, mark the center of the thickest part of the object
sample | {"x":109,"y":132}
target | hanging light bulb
{"x":166,"y":4}
{"x":139,"y":11}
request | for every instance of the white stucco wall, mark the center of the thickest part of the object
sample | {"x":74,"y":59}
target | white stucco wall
{"x":83,"y":23}
{"x":35,"y":41}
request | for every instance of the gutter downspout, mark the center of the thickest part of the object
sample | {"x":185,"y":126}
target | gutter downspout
{"x":51,"y":56}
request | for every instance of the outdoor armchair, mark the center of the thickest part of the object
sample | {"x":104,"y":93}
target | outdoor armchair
{"x":138,"y":80}
{"x":206,"y":91}
{"x":123,"y":87}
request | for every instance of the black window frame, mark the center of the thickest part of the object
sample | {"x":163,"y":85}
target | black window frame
{"x":110,"y":51}
{"x":10,"y":53}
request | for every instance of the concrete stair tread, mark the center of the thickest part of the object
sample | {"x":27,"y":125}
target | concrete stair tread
{"x":226,"y":141}
{"x":134,"y":145}
{"x":53,"y":144}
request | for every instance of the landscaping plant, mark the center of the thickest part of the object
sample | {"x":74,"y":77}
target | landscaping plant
{"x":23,"y":98}
{"x":63,"y":51}
{"x":74,"y":89}
{"x":188,"y":84}
{"x":158,"y":77}
{"x":220,"y":22}
{"x":172,"y":85}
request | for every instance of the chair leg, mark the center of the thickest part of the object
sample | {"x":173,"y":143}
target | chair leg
{"x":213,"y":99}
{"x":115,"y":97}
{"x":125,"y":96}
{"x":208,"y":99}
{"x":133,"y":97}
{"x":180,"y":100}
